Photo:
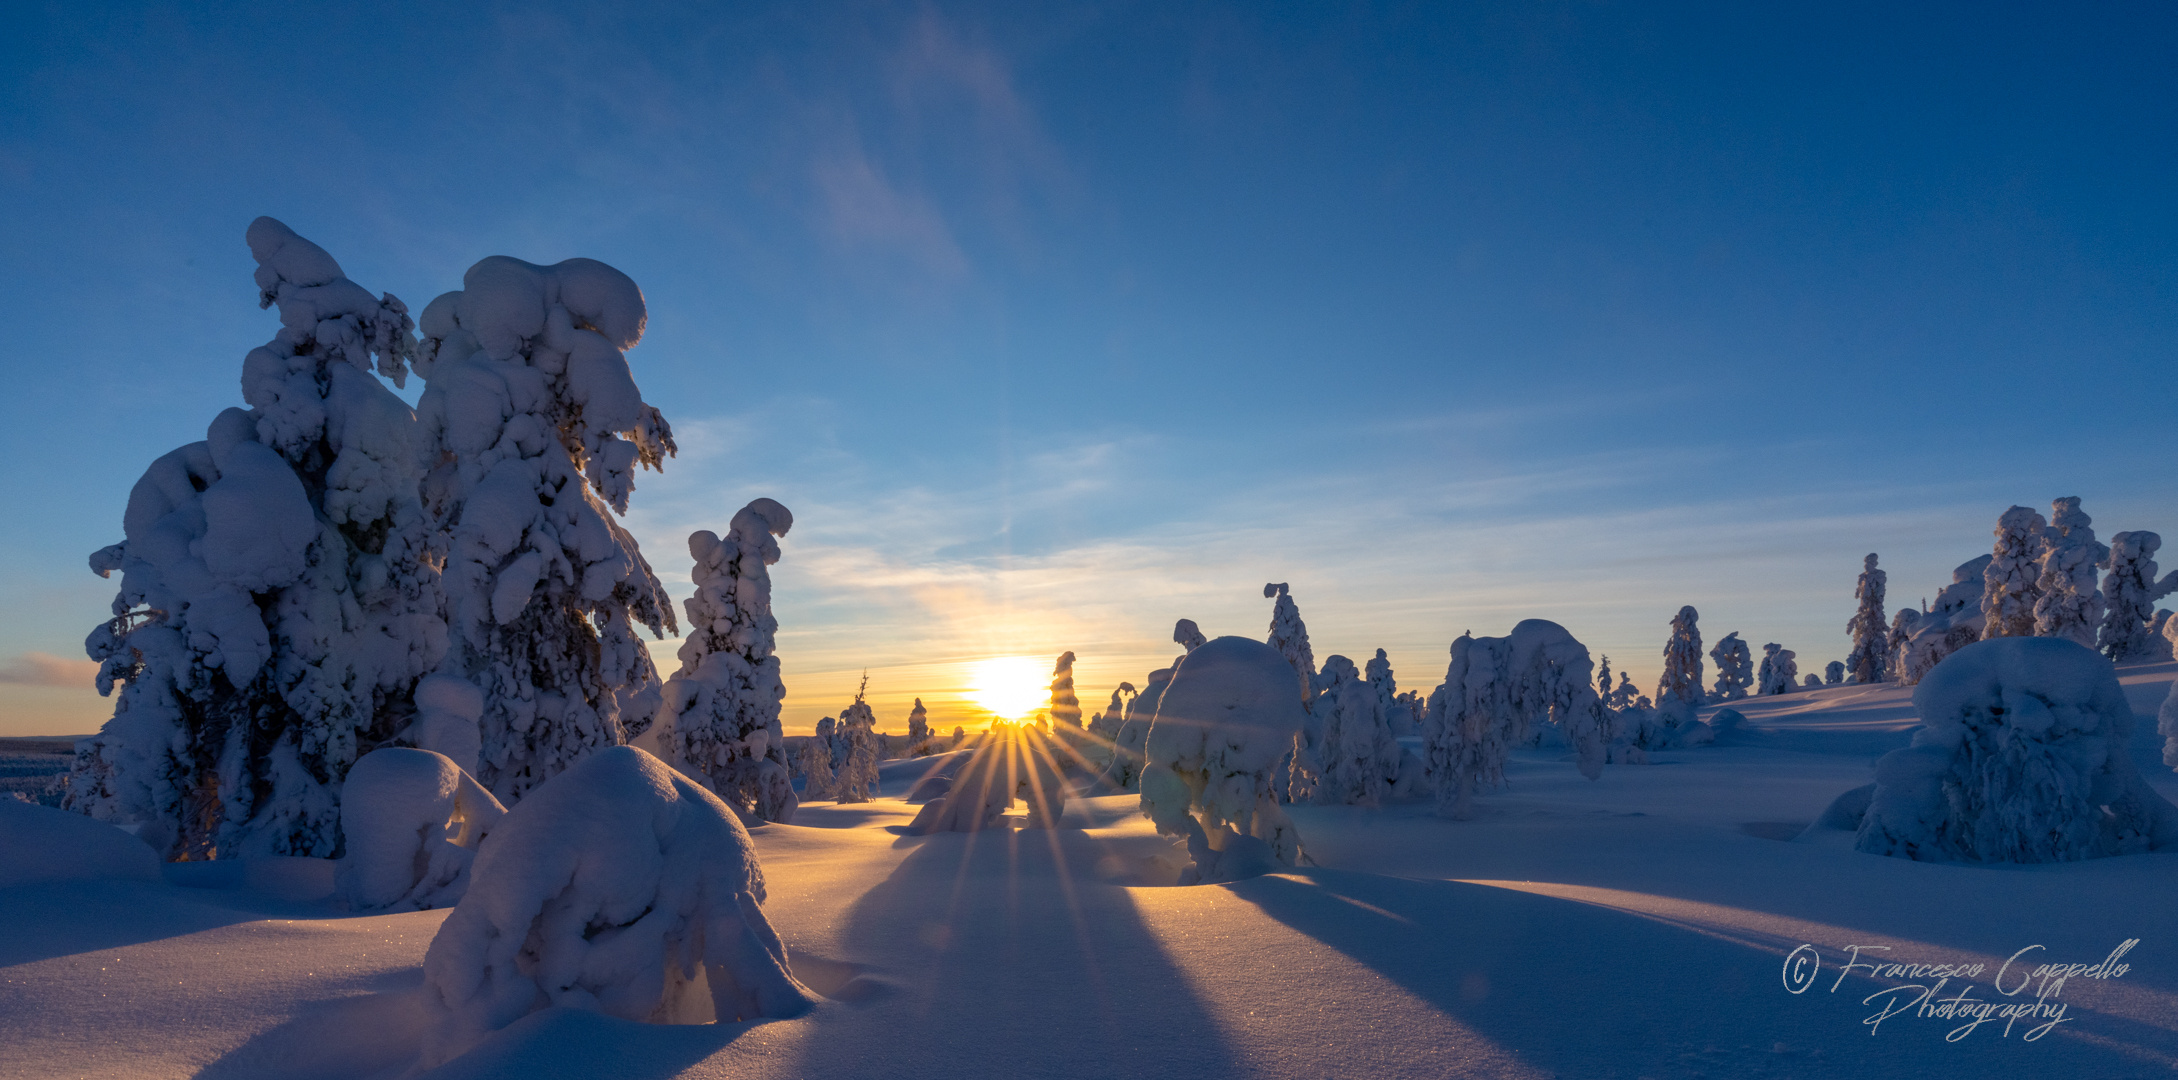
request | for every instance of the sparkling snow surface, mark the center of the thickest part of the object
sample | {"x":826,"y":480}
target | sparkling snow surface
{"x":1634,"y":926}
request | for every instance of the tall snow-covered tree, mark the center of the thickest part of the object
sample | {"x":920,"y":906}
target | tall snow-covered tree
{"x":2011,"y":586}
{"x":857,"y":780}
{"x":1356,"y":756}
{"x":2070,"y":606}
{"x":720,"y":711}
{"x":1379,"y":673}
{"x":1780,"y":670}
{"x":1289,"y":636}
{"x":2130,"y":591}
{"x":1871,"y":638}
{"x":1064,"y":708}
{"x":1679,"y":689}
{"x":1495,"y":690}
{"x":1603,"y":676}
{"x":1187,"y":635}
{"x":1735,"y":667}
{"x":277,"y":604}
{"x":534,"y":429}
{"x":918,"y":723}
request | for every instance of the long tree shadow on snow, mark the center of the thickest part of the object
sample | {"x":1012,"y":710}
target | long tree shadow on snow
{"x":1008,"y":960}
{"x":1590,"y":991}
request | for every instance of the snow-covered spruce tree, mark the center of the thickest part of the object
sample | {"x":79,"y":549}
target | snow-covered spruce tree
{"x":1289,"y":636}
{"x":1064,"y":708}
{"x":534,"y":428}
{"x":2070,"y":606}
{"x":276,"y":606}
{"x":1103,"y":730}
{"x":1679,"y":689}
{"x":1953,"y":622}
{"x":1493,"y":692}
{"x":814,"y":762}
{"x":857,"y":781}
{"x":1125,"y":771}
{"x":2012,"y":583}
{"x":1833,"y":673}
{"x":919,"y":729}
{"x":1871,"y":638}
{"x":719,"y":714}
{"x":1603,"y":676}
{"x":1397,"y":715}
{"x":2130,"y":591}
{"x":1355,"y":752}
{"x":1780,"y":670}
{"x":1222,"y":729}
{"x":1735,"y":667}
{"x":2020,"y":759}
{"x":1187,"y":635}
{"x":960,"y":735}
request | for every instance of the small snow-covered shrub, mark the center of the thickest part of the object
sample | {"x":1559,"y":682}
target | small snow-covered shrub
{"x":1735,"y":667}
{"x":1871,"y":639}
{"x":1222,"y":728}
{"x":2012,"y":584}
{"x":619,"y":886}
{"x":1015,"y":761}
{"x":1495,"y":691}
{"x":413,"y":820}
{"x":719,"y":714}
{"x":2021,"y":758}
{"x":1833,"y":674}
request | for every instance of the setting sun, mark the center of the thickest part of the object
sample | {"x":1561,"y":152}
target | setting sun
{"x":1010,"y":686}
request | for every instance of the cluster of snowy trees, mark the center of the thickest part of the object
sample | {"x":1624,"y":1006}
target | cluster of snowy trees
{"x":2039,"y":580}
{"x":329,"y":571}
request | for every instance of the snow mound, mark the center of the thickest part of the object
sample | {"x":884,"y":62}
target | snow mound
{"x":1223,"y":727}
{"x":413,"y":820}
{"x":619,"y":886}
{"x":2021,"y":758}
{"x":39,"y":843}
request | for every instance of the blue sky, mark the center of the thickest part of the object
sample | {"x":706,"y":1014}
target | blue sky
{"x":1054,"y":323}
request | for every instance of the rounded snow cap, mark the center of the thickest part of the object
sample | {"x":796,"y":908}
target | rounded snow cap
{"x":767,"y":515}
{"x":283,"y":256}
{"x":1271,"y":590}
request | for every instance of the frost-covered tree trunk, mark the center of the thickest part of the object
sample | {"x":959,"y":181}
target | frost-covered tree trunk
{"x":1679,"y":689}
{"x":534,"y":429}
{"x":1735,"y":667}
{"x":1493,"y":692}
{"x":277,"y":605}
{"x":1780,"y":670}
{"x":719,"y":714}
{"x":2130,"y":591}
{"x":2070,"y":606}
{"x":1289,"y":636}
{"x":2011,"y":585}
{"x":857,"y":727}
{"x":1871,"y":638}
{"x":1064,"y":708}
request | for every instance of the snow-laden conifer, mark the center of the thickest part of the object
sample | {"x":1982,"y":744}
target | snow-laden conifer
{"x":1833,"y":673}
{"x":2070,"y":606}
{"x":2011,"y":585}
{"x":1871,"y":651}
{"x":1679,"y":689}
{"x":1289,"y":636}
{"x":2130,"y":591}
{"x":919,"y":727}
{"x":1064,"y":707}
{"x":1494,"y":692}
{"x":534,"y":428}
{"x":857,"y":730}
{"x":1951,"y":623}
{"x":1780,"y":672}
{"x":813,"y":761}
{"x":1735,"y":667}
{"x":277,"y":605}
{"x":720,"y":711}
{"x":1222,"y":729}
{"x":1355,"y":753}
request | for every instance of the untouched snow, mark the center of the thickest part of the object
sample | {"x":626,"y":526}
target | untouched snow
{"x":1633,"y":926}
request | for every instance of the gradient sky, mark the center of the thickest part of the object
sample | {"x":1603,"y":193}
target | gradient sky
{"x":1054,"y":323}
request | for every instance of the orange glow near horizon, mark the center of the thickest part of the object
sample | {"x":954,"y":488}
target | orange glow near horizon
{"x":1010,"y":687}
